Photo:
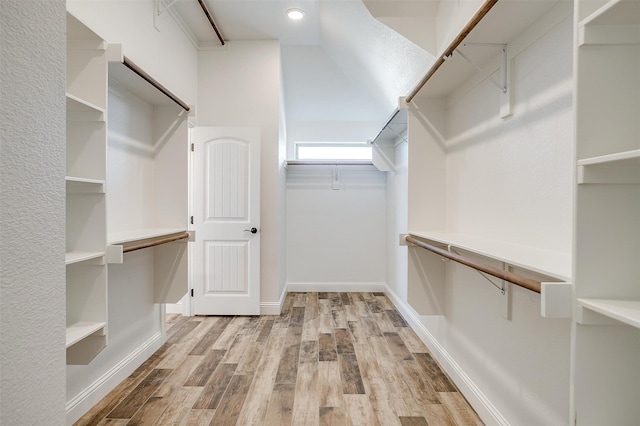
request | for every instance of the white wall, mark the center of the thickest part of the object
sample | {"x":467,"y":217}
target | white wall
{"x":323,"y":104}
{"x":336,"y":236}
{"x":513,"y":178}
{"x":32,"y":212}
{"x":508,"y":180}
{"x":241,"y":86}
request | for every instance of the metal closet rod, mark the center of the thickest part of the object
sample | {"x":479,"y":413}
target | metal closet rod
{"x":516,"y":279}
{"x":475,"y":19}
{"x":155,"y":242}
{"x":213,"y":24}
{"x":155,"y":83}
{"x":329,"y":163}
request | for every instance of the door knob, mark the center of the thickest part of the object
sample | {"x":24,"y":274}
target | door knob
{"x":252,"y":230}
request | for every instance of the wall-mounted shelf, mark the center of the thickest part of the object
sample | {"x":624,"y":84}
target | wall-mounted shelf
{"x":621,"y":167}
{"x":552,"y":264}
{"x":77,"y":104}
{"x":555,"y":293}
{"x":627,"y":158}
{"x":625,"y":311}
{"x":80,"y":330}
{"x":615,"y":12}
{"x":84,"y":185}
{"x":135,"y":80}
{"x":81,"y":256}
{"x":137,"y":235}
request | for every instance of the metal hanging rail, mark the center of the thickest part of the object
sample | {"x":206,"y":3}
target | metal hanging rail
{"x":155,"y":242}
{"x":213,"y":24}
{"x":475,"y":19}
{"x":136,"y":69}
{"x":329,"y":163}
{"x":386,"y":124}
{"x":516,"y":279}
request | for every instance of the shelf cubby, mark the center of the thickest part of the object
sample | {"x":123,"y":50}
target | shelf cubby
{"x":86,"y":235}
{"x":624,"y":311}
{"x":607,"y":205}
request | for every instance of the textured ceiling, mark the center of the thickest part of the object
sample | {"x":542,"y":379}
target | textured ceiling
{"x":364,"y":59}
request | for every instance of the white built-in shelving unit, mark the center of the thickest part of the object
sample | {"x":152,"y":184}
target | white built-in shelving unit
{"x":607,"y":209}
{"x":483,"y":50}
{"x":148,"y":151}
{"x":86,"y":233}
{"x":140,"y":195}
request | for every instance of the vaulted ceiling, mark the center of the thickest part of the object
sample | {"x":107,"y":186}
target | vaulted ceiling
{"x":340,"y":63}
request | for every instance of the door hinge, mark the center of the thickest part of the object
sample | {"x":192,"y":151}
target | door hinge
{"x":192,"y":220}
{"x":192,"y":147}
{"x":191,"y":292}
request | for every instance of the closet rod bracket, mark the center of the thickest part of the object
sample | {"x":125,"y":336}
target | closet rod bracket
{"x":502,"y":287}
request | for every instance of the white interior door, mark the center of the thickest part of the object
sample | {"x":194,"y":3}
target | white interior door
{"x":226,"y":269}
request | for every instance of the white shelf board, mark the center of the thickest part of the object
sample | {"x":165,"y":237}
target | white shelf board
{"x":78,"y":184}
{"x":626,"y":311}
{"x":80,"y":330}
{"x":627,"y":158}
{"x":81,"y":256}
{"x":141,"y":234}
{"x":133,"y":83}
{"x":76,"y":104}
{"x":550,"y":263}
{"x":615,"y":12}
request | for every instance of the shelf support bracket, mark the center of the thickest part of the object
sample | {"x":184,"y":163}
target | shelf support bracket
{"x":503,"y":85}
{"x":500,"y":85}
{"x":162,"y":8}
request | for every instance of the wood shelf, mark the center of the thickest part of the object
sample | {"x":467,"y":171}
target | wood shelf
{"x":615,"y":12}
{"x":552,"y":264}
{"x":81,"y":256}
{"x":625,"y":311}
{"x":132,"y":236}
{"x":78,"y":331}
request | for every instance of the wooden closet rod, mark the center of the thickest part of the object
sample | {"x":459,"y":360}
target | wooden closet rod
{"x":516,"y":279}
{"x":155,"y":242}
{"x":475,"y":19}
{"x":213,"y":24}
{"x":133,"y":67}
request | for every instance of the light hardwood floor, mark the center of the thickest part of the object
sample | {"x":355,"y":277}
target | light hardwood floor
{"x":328,"y":359}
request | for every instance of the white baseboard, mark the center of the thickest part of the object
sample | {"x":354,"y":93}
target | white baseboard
{"x":85,"y":400}
{"x":478,"y":400}
{"x":174,"y":308}
{"x":294,"y":287}
{"x":273,"y":308}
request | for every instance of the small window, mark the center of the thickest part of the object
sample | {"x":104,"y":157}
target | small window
{"x":325,"y":151}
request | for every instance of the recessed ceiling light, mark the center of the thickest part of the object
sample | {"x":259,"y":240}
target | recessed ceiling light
{"x":295,"y":14}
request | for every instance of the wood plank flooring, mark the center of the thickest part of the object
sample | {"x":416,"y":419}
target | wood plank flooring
{"x":328,"y":359}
